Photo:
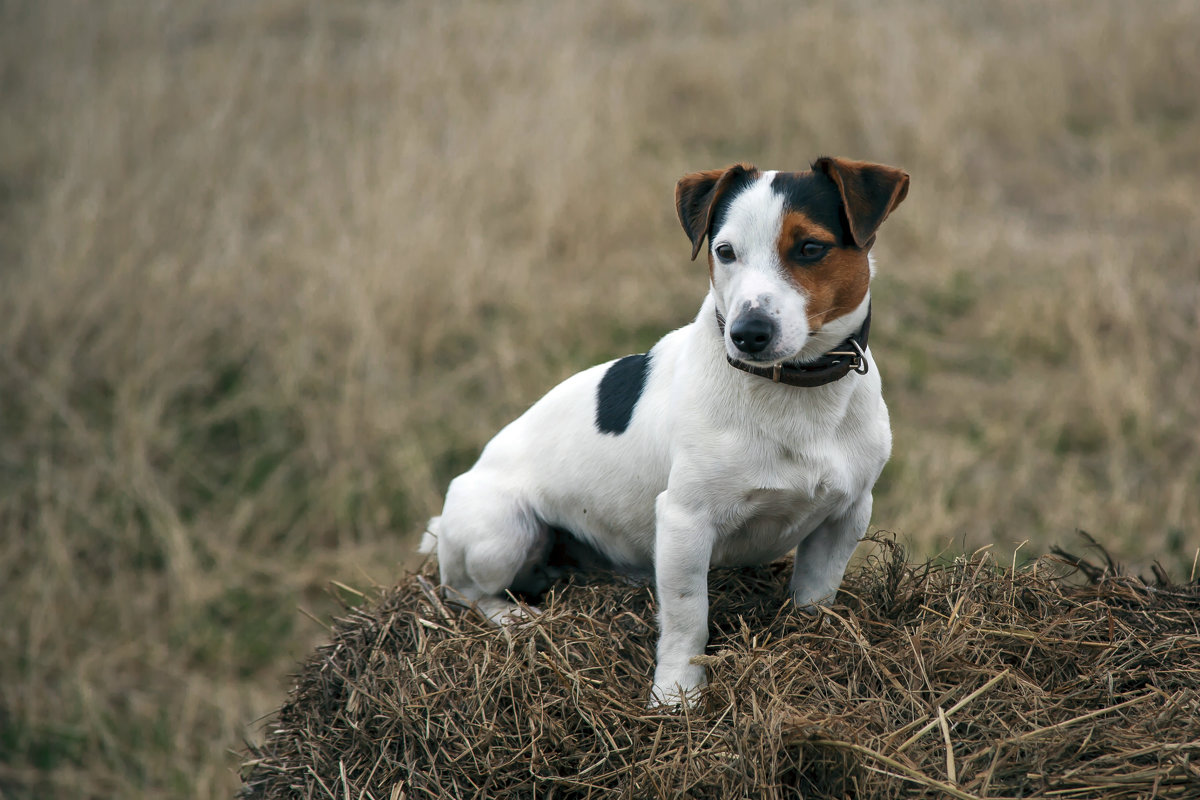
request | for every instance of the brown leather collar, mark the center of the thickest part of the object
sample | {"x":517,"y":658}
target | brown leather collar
{"x":847,"y":357}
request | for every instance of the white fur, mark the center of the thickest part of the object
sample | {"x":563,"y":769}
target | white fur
{"x":716,"y":468}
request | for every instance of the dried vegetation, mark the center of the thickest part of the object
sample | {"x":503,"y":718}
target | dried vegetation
{"x":959,"y":679}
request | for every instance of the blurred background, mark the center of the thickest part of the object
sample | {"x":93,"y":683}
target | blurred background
{"x":272,"y":272}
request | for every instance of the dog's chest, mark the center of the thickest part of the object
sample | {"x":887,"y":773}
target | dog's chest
{"x":784,"y":499}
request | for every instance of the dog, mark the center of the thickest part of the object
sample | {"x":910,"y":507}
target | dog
{"x":757,"y":430}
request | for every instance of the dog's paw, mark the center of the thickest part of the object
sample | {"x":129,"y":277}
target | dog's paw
{"x":668,"y":698}
{"x":504,"y":612}
{"x":811,"y":606}
{"x":678,"y":689}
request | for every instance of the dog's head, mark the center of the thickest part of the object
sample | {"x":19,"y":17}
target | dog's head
{"x":789,"y":252}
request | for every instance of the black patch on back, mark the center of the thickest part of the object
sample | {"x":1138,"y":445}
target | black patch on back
{"x":618,"y":393}
{"x":817,"y":196}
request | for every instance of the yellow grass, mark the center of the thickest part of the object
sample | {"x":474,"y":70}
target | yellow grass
{"x":271,"y":273}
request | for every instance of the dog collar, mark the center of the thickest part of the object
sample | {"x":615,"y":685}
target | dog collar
{"x":847,"y":357}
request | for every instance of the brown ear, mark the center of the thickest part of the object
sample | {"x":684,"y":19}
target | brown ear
{"x":696,"y":196}
{"x":869,"y":193}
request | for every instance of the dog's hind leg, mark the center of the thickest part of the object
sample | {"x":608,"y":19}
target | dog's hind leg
{"x":490,"y":542}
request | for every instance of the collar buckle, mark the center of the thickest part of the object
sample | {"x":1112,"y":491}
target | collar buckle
{"x":858,"y":359}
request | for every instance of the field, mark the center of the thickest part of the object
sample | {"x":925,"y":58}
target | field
{"x":271,"y":273}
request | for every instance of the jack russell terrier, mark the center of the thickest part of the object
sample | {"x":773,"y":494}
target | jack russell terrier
{"x":756,"y":430}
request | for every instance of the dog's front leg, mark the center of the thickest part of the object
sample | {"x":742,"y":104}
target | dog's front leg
{"x":822,"y":556}
{"x":682,"y":552}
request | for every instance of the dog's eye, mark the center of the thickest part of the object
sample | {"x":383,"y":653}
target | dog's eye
{"x":811,"y":251}
{"x":725,"y":252}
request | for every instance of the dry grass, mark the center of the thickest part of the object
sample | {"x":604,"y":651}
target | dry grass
{"x":957,"y":680}
{"x":272,"y":272}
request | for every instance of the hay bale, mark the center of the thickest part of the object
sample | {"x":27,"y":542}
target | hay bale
{"x":962,"y":679}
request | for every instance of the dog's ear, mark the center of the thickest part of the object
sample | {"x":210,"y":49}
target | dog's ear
{"x":869,"y":193}
{"x":696,"y":196}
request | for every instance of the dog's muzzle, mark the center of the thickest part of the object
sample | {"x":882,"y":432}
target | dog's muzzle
{"x":849,"y":356}
{"x":752,"y":332}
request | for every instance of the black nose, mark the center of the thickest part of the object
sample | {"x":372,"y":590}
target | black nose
{"x":752,"y":332}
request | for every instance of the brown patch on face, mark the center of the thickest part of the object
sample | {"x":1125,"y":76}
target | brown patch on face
{"x":836,"y":282}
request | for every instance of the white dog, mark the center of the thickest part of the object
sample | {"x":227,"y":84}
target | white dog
{"x":754,"y":431}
